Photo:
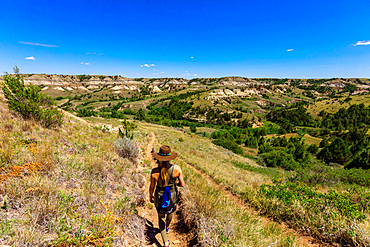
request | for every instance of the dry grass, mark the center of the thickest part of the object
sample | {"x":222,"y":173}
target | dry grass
{"x":332,"y":106}
{"x":221,"y":222}
{"x":308,"y":138}
{"x":209,"y":158}
{"x":312,"y":140}
{"x":62,"y":186}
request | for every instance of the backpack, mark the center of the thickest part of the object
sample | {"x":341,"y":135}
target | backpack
{"x":165,"y":203}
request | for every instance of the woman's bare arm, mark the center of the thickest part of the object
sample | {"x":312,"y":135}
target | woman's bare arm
{"x":181,"y":178}
{"x":152,"y":187}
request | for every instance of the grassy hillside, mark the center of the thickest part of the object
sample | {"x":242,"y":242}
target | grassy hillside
{"x":257,"y":158}
{"x":208,"y":209}
{"x":67,"y":186}
{"x":246,"y":179}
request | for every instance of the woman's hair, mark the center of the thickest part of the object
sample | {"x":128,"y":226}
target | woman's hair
{"x":164,"y":170}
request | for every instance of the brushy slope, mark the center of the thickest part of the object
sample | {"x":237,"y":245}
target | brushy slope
{"x":331,"y":216}
{"x":67,"y":186}
{"x":216,"y":219}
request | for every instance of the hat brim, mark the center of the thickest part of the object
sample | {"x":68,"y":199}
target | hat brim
{"x":172,"y":156}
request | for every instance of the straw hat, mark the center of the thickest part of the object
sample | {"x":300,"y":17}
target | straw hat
{"x":165,"y":154}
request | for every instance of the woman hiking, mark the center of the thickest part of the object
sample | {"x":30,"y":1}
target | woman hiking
{"x":164,"y":181}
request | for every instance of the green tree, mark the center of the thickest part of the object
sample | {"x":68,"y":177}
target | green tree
{"x":140,"y":115}
{"x":29,"y":102}
{"x":228,"y":144}
{"x":279,"y":158}
{"x":337,"y":151}
{"x":313,"y":148}
{"x":324,"y":142}
{"x":361,"y":160}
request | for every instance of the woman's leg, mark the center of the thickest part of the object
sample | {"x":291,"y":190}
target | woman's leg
{"x":162,"y":227}
{"x":168,"y":219}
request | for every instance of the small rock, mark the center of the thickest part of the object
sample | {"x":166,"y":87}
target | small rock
{"x":176,"y":242}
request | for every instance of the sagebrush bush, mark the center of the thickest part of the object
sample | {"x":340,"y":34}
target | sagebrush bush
{"x":29,"y":102}
{"x":127,"y":148}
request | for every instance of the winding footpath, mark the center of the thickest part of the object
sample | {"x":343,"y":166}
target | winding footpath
{"x":178,"y":235}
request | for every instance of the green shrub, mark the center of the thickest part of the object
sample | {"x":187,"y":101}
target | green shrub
{"x":86,"y":113}
{"x":326,"y":175}
{"x":329,"y":216}
{"x":140,"y":115}
{"x":128,"y":127}
{"x":361,"y":160}
{"x":313,"y":149}
{"x":279,"y":158}
{"x":228,"y":144}
{"x":337,"y":152}
{"x":251,"y":142}
{"x":324,"y":142}
{"x":29,"y":102}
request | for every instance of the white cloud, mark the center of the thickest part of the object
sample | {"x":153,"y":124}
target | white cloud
{"x":365,"y":42}
{"x":289,"y":50}
{"x":37,"y":44}
{"x":87,"y":63}
{"x":147,"y":65}
{"x":195,"y":74}
{"x":161,"y":72}
{"x":82,"y":63}
{"x":30,"y":58}
{"x":94,"y":53}
{"x":191,"y":57}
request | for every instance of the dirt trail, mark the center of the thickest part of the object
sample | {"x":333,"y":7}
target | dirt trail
{"x":302,"y":239}
{"x":68,"y":114}
{"x":178,"y":236}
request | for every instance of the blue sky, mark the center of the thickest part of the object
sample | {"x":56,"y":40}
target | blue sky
{"x":260,"y":38}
